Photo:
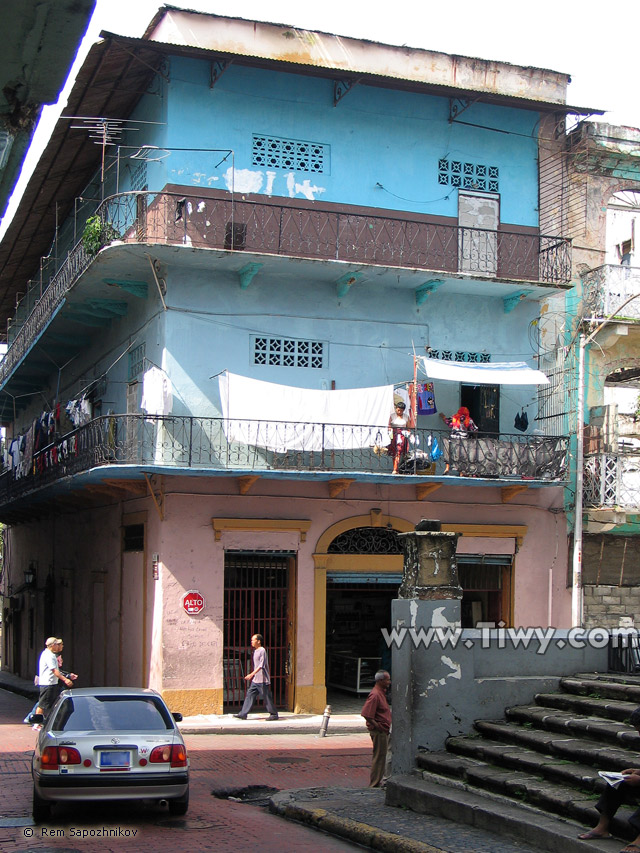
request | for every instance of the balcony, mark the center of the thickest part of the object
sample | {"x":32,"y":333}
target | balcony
{"x":215,"y":446}
{"x":608,"y":287}
{"x":612,"y":480}
{"x":395,"y":240}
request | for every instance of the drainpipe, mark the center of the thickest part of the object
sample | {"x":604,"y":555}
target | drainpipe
{"x":577,"y":594}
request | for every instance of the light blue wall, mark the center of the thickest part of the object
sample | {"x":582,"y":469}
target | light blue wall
{"x":375,"y":136}
{"x":369,"y":335}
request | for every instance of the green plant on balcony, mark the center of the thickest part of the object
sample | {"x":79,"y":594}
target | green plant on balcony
{"x":97,"y":234}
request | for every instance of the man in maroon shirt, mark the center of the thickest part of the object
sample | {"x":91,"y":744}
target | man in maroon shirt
{"x":377,"y":714}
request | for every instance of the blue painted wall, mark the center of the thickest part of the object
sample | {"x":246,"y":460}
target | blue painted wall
{"x":373,"y":136}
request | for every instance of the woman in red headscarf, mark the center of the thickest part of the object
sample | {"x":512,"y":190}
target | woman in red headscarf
{"x":461,"y":426}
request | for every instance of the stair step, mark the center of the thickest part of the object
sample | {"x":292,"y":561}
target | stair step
{"x":597,"y":727}
{"x":526,"y":760}
{"x":615,"y":709}
{"x":580,"y":750}
{"x":609,"y":688}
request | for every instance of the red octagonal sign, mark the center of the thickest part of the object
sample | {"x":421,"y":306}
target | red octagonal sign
{"x":193,"y":602}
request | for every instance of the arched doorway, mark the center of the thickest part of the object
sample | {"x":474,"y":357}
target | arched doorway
{"x":358,"y":568}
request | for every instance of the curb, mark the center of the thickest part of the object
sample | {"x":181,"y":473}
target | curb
{"x":285,"y":805}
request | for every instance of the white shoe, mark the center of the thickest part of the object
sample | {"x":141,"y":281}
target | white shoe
{"x":36,"y":727}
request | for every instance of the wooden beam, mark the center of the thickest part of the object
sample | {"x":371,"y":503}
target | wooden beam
{"x":509,"y":492}
{"x":156,"y":488}
{"x":337,"y":486}
{"x":424,"y":489}
{"x":245,"y":483}
{"x":133,"y":487}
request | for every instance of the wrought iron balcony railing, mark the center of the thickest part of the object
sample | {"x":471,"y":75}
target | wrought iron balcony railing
{"x":235,"y":225}
{"x":612,"y":480}
{"x":220,"y":445}
{"x":608,"y":287}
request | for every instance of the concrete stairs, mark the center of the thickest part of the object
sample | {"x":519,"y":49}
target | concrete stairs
{"x":543,"y":757}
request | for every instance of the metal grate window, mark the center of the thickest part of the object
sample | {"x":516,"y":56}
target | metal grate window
{"x":468,"y":176}
{"x":460,"y":355}
{"x":139,"y":177}
{"x":136,"y":361}
{"x":287,"y":352}
{"x":133,"y":537}
{"x":273,"y":152}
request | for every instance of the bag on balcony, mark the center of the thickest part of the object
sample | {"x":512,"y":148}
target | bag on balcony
{"x":522,"y":421}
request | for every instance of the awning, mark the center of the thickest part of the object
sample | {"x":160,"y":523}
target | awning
{"x":496,"y":373}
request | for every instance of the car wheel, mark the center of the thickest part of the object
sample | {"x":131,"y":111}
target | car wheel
{"x":179,"y":806}
{"x":41,"y":809}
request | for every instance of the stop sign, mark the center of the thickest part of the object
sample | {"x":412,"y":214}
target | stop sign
{"x":193,"y":602}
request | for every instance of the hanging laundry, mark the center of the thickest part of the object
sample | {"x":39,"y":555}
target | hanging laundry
{"x":426,"y":399}
{"x":157,"y":392}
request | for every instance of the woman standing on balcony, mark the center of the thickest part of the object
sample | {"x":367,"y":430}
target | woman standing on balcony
{"x":461,"y":426}
{"x":399,"y":423}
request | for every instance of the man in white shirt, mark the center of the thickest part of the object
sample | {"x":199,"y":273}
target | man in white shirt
{"x":48,"y":676}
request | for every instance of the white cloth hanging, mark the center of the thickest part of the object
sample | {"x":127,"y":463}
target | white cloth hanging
{"x":281,"y":417}
{"x":496,"y":373}
{"x":157,"y":392}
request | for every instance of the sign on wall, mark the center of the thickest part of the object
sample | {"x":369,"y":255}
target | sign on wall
{"x":193,"y":602}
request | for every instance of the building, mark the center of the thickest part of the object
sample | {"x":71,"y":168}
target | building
{"x":271,"y":205}
{"x":603,"y":168}
{"x":41,"y":40}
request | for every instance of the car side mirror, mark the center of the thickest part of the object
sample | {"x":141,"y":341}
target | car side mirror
{"x":177,"y":716}
{"x":36,"y":718}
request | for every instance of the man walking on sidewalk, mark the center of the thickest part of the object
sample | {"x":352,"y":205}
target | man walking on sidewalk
{"x":260,"y":679}
{"x":377,"y":714}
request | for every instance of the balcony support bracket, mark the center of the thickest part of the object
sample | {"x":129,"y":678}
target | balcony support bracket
{"x":458,"y":105}
{"x":508,"y":493}
{"x":218,"y":67}
{"x":342,"y":88}
{"x":425,"y":289}
{"x":156,"y":490}
{"x":338,"y":486}
{"x":245,"y":483}
{"x":510,"y":302}
{"x":344,"y":283}
{"x":248,"y":273}
{"x":424,"y":489}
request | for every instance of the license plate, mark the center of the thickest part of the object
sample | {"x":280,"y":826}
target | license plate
{"x":115,"y":759}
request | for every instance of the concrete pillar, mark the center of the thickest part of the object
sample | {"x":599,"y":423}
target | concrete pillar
{"x":429,"y":598}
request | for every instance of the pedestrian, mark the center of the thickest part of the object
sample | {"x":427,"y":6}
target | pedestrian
{"x":71,"y":675}
{"x":48,"y":676}
{"x":377,"y":715}
{"x":260,"y":679}
{"x":626,"y":791}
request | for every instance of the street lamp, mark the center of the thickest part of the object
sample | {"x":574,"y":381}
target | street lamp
{"x":577,"y":596}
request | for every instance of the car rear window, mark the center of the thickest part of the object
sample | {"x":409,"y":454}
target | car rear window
{"x":109,"y":713}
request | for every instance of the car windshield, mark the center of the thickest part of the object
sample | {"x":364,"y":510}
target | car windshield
{"x":109,"y":713}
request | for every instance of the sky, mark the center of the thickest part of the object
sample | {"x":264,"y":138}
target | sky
{"x":562,"y":35}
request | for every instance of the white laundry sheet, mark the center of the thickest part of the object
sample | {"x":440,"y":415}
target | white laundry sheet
{"x":281,"y":418}
{"x":496,"y":373}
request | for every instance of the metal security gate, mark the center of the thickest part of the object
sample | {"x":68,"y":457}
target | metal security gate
{"x":256,"y":599}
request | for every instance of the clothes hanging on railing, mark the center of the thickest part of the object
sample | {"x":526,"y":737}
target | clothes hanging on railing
{"x":426,"y":398}
{"x":79,"y":411}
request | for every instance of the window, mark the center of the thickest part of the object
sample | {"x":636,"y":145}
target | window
{"x":287,"y":352}
{"x":273,"y":152}
{"x":133,"y":537}
{"x":468,"y":176}
{"x":460,"y":355}
{"x":136,"y":361}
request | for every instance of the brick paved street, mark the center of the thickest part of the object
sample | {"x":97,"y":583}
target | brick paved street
{"x":217,"y":762}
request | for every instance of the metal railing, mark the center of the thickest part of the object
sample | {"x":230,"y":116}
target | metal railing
{"x":232,"y":224}
{"x":608,"y":287}
{"x":401,"y":240}
{"x":223,"y":445}
{"x":612,"y":480}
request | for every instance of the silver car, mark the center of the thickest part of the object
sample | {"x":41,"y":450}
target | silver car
{"x":109,"y":743}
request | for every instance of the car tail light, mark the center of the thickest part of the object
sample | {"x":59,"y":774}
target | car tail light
{"x":176,"y":755}
{"x":49,"y":758}
{"x":53,"y":756}
{"x":68,"y":755}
